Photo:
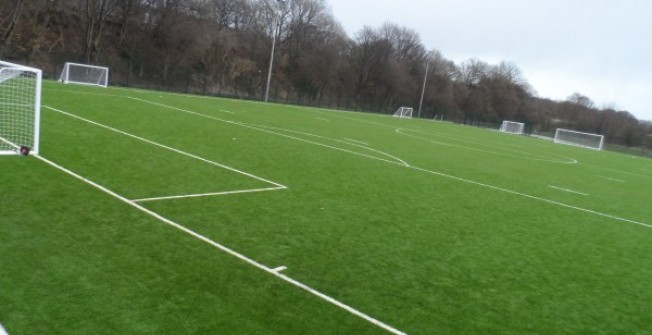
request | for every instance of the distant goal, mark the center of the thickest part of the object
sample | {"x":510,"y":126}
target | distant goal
{"x":404,"y":112}
{"x":84,"y":74}
{"x":579,"y":139}
{"x":511,"y":127}
{"x":20,"y":109}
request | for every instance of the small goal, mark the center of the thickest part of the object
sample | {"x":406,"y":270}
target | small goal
{"x":20,"y":108}
{"x":579,"y":139}
{"x":404,"y":112}
{"x":84,"y":74}
{"x":511,"y":127}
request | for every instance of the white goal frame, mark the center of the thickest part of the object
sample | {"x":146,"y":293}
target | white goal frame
{"x":94,"y":75}
{"x":579,"y":139}
{"x":20,"y":108}
{"x":511,"y":127}
{"x":404,"y":112}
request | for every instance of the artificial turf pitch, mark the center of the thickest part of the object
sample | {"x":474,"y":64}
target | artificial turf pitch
{"x":427,"y":227}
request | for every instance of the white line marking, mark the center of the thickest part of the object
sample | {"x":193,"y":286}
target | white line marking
{"x":261,"y":128}
{"x":566,"y":190}
{"x":611,"y":179}
{"x":619,"y":171}
{"x":167,"y":147}
{"x":510,"y":152}
{"x":280,"y":268}
{"x":398,"y":160}
{"x":226,"y":111}
{"x":356,"y":141}
{"x":496,"y":188}
{"x":226,"y":249}
{"x":3,"y":331}
{"x":255,"y":190}
{"x":322,"y":119}
{"x":553,"y":202}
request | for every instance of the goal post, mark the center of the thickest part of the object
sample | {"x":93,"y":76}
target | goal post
{"x":84,"y":74}
{"x":512,"y":127}
{"x":20,"y":108}
{"x":579,"y":139}
{"x":404,"y":112}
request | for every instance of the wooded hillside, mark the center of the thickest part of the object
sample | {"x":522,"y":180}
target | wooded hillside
{"x":222,"y":47}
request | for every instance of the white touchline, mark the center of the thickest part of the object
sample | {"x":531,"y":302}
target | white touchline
{"x":280,"y":268}
{"x":166,"y":147}
{"x":225,"y":249}
{"x":567,"y":190}
{"x":171,"y":197}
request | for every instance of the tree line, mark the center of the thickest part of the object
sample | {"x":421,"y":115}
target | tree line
{"x":223,"y":47}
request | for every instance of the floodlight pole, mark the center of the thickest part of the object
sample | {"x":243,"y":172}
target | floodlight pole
{"x":423,"y":88}
{"x":271,"y":56}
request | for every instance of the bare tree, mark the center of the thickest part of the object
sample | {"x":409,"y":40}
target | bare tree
{"x":12,"y":21}
{"x":96,"y":14}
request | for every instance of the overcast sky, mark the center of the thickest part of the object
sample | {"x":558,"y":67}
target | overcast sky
{"x":601,"y":49}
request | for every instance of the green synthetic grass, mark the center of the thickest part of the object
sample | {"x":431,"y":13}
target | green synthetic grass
{"x":430,"y":227}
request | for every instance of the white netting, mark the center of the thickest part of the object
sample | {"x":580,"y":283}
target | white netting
{"x":512,"y":127}
{"x":20,"y":89}
{"x":85,"y":74}
{"x":576,"y":138}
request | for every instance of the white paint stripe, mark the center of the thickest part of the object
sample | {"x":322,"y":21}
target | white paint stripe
{"x":166,"y":147}
{"x":9,"y":143}
{"x":226,"y":249}
{"x":322,"y":119}
{"x":3,"y":331}
{"x":261,"y":128}
{"x":356,"y":141}
{"x":280,"y":268}
{"x":557,"y":203}
{"x":612,"y":179}
{"x":226,"y":111}
{"x":567,"y":190}
{"x":553,"y":202}
{"x":255,"y":190}
{"x":328,"y":138}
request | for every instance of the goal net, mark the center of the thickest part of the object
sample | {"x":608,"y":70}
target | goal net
{"x":576,"y":138}
{"x":84,"y":74}
{"x":404,"y":112}
{"x":512,"y":127}
{"x":20,"y":108}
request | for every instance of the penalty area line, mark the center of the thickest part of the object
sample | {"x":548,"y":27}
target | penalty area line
{"x":171,"y":197}
{"x":165,"y":146}
{"x":274,"y":272}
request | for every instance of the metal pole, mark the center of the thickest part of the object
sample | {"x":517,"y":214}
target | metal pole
{"x":271,"y":56}
{"x":423,"y":88}
{"x":271,"y":63}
